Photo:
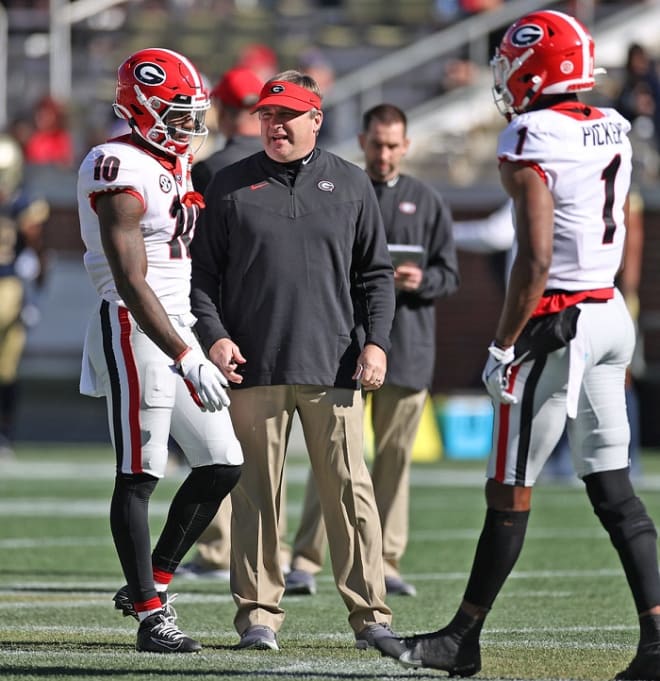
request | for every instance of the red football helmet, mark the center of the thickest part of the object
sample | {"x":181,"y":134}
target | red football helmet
{"x":158,"y":90}
{"x":543,"y":53}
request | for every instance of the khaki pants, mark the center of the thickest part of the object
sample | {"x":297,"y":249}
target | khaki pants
{"x":12,"y":331}
{"x":331,"y":420}
{"x":396,"y":414}
{"x":214,"y":545}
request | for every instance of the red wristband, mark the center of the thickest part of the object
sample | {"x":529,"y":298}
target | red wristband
{"x":178,"y":358}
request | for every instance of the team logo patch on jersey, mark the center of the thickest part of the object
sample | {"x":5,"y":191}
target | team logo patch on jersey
{"x":165,"y":183}
{"x":408,"y":207}
{"x":149,"y":73}
{"x":326,"y":186}
{"x":526,"y":35}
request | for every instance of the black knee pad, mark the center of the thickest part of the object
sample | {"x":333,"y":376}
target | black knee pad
{"x":631,"y":531}
{"x":208,"y":483}
{"x":191,"y":510}
{"x":619,"y":510}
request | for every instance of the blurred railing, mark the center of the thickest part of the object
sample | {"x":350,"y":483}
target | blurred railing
{"x":364,"y":87}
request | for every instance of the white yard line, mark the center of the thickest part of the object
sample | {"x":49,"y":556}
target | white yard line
{"x":446,"y":474}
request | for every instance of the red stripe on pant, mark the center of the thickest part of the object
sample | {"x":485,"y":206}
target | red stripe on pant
{"x":504,"y":413}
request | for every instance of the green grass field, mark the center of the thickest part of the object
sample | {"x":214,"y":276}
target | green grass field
{"x":564,"y":614}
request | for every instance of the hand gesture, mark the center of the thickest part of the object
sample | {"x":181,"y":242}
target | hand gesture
{"x":205,"y":382}
{"x":226,"y":355}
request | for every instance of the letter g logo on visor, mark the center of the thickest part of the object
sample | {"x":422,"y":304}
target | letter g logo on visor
{"x":149,"y":73}
{"x":527,"y":35}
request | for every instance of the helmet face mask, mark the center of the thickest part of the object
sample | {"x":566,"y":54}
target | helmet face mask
{"x":542,"y":53}
{"x":162,"y":96}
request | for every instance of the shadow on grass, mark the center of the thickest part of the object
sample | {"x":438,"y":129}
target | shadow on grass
{"x":148,"y":667}
{"x":17,"y":671}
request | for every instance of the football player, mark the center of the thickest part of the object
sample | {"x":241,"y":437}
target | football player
{"x":564,"y":337}
{"x":23,"y":261}
{"x":137,"y":215}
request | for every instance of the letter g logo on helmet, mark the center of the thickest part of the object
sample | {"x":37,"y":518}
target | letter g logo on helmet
{"x":150,"y":73}
{"x":526,"y":35}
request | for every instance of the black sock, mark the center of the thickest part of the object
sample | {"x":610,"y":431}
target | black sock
{"x":465,"y":627}
{"x":498,"y":549}
{"x":129,"y":522}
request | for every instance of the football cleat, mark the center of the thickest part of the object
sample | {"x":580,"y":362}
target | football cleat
{"x":158,"y":634}
{"x":124,"y":602}
{"x":443,"y":650}
{"x":645,"y":666}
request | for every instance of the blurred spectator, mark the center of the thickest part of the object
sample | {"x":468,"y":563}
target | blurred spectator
{"x":475,"y":6}
{"x":639,"y":97}
{"x":21,"y":129}
{"x":22,"y":268}
{"x":51,"y":142}
{"x":458,"y":73}
{"x":259,"y":58}
{"x":312,"y":62}
{"x":234,"y":96}
{"x":449,"y":11}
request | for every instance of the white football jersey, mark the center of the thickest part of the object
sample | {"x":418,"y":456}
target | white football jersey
{"x":584,"y":155}
{"x":167,"y":225}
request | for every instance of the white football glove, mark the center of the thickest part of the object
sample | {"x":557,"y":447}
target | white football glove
{"x":204,"y":380}
{"x":495,"y":375}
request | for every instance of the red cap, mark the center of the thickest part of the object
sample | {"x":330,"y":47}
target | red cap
{"x":239,"y":88}
{"x":287,"y":95}
{"x":258,"y":55}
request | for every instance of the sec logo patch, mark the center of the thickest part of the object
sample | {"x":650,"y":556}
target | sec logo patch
{"x":165,"y":183}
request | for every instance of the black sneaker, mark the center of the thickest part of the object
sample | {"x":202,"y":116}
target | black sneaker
{"x":443,"y":649}
{"x":124,"y":602}
{"x":258,"y":637}
{"x":645,"y":666}
{"x":395,"y":586}
{"x":158,"y":634}
{"x":381,"y":637}
{"x":299,"y":583}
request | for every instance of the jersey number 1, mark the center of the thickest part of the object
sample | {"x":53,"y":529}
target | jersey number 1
{"x":608,"y":176}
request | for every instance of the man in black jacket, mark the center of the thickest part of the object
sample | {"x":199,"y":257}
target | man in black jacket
{"x":415,"y":215}
{"x":235,"y":94}
{"x":292,"y":241}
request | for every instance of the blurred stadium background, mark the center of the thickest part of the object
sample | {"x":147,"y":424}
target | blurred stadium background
{"x":427,"y":56}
